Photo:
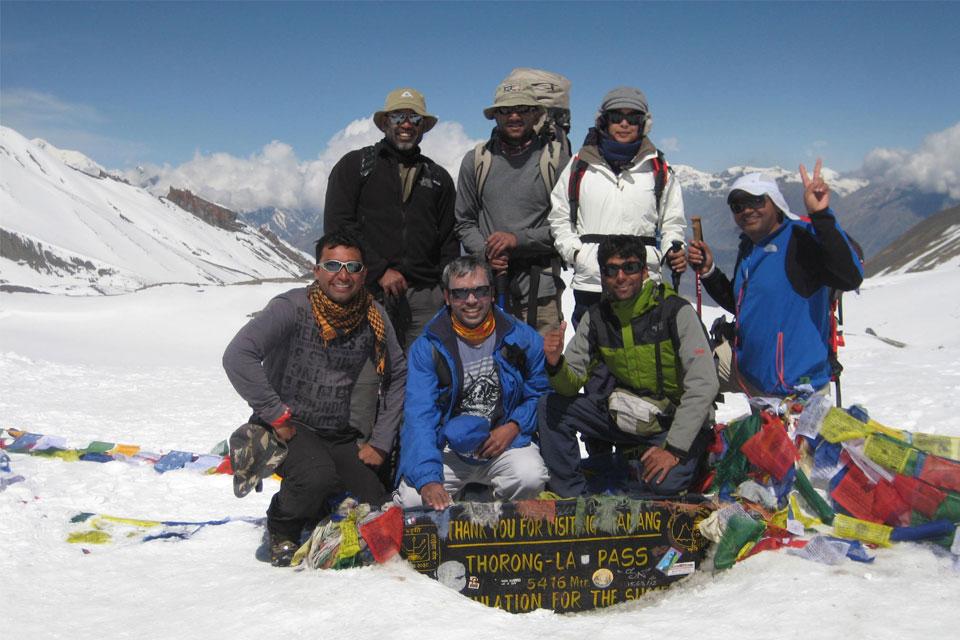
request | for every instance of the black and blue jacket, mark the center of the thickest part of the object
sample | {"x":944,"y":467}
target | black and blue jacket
{"x":780,"y":296}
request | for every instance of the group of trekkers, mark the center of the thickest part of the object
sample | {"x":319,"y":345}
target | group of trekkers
{"x":435,"y":315}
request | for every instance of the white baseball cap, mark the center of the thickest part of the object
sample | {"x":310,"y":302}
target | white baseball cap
{"x":758,"y":184}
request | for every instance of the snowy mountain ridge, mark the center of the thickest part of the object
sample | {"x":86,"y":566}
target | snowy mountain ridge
{"x":73,"y":159}
{"x":931,"y":244}
{"x":70,"y":227}
{"x":694,"y":179}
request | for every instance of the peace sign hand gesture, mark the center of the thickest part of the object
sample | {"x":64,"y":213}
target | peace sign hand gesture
{"x":816,"y":193}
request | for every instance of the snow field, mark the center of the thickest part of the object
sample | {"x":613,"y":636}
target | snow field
{"x":144,"y":369}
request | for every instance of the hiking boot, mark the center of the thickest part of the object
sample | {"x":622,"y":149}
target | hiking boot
{"x":281,"y":551}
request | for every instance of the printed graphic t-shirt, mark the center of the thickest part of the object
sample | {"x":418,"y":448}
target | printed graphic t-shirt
{"x":481,"y":382}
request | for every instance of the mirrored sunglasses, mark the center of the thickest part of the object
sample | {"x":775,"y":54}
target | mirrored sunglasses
{"x":334,"y":266}
{"x":520,"y":109}
{"x":629,"y":268}
{"x":742,"y":203}
{"x":397,"y":117}
{"x":616,"y":117}
{"x":463,"y":294}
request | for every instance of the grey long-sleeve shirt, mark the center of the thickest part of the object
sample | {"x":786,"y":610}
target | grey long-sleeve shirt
{"x":278,"y":359}
{"x":515,"y":200}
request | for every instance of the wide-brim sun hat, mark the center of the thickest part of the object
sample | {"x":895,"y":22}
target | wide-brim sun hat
{"x":512,"y":94}
{"x":758,"y":184}
{"x":405,"y":98}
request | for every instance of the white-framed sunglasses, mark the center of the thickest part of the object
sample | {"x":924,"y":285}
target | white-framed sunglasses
{"x":334,"y":266}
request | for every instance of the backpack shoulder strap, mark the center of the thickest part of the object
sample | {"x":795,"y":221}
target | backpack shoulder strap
{"x":550,"y":162}
{"x":661,"y":173}
{"x":368,"y":161}
{"x":442,"y":368}
{"x":573,"y":188}
{"x":482,"y":159}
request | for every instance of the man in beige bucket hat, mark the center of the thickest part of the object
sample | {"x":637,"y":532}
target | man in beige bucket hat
{"x":399,"y":203}
{"x":503,"y":199}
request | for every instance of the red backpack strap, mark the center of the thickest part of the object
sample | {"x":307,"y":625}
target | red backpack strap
{"x":661,"y":173}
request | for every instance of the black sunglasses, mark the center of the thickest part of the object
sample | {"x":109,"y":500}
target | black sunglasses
{"x":521,"y":109}
{"x":334,"y":266}
{"x":743,"y":202}
{"x":463,"y":294}
{"x":629,"y":268}
{"x":616,"y":117}
{"x":396,"y":117}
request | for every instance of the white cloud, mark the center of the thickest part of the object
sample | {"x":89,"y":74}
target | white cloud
{"x":23,"y":108}
{"x":669,"y":144}
{"x":274,"y":176}
{"x":935,"y":166}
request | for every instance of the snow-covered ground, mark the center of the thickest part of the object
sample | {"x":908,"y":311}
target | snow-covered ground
{"x":144,"y":368}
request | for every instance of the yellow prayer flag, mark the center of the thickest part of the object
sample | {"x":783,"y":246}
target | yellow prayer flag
{"x":847,"y":527}
{"x":838,"y":425}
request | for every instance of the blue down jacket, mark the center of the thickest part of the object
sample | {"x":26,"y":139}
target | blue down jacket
{"x":430,"y":403}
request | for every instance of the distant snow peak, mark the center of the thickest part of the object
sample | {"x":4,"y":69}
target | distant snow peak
{"x":720,"y":182}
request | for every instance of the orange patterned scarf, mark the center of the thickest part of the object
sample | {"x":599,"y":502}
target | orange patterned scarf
{"x":477,"y":334}
{"x":335,"y":319}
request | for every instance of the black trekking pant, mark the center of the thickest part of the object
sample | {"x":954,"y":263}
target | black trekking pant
{"x":583,"y":300}
{"x":562,"y":417}
{"x":316,"y":469}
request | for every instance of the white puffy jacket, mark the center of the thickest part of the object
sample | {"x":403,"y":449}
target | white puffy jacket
{"x":612,"y":204}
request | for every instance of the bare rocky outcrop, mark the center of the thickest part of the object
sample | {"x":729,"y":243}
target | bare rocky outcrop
{"x":283,"y":249}
{"x":212,"y":214}
{"x":23,"y":250}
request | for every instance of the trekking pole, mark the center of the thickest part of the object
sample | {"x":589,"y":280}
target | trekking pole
{"x":698,"y":235}
{"x":502,"y":284}
{"x":676,"y":245}
{"x":837,"y":340}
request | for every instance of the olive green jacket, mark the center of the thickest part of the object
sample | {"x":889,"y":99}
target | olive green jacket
{"x":630,"y":337}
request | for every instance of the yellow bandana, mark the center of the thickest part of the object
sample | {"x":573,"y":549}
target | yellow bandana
{"x":477,"y":334}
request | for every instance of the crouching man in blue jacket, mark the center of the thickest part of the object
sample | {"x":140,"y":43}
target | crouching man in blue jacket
{"x":474,"y":379}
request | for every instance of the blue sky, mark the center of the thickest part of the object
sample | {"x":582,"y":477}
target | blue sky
{"x":728,"y":83}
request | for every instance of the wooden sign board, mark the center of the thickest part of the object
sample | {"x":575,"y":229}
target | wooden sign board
{"x":537,"y":556}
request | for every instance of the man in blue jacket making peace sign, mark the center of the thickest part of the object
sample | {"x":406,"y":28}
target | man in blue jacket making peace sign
{"x":781,"y":287}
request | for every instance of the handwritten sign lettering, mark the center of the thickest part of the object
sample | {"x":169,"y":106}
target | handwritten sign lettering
{"x":597,"y":556}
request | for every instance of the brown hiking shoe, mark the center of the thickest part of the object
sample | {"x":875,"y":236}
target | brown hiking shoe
{"x":281,"y":551}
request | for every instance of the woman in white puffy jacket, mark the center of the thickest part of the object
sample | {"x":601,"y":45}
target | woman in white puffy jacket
{"x":614,"y":191}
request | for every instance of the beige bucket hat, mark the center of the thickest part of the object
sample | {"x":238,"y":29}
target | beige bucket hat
{"x":405,"y":98}
{"x":512,"y":94}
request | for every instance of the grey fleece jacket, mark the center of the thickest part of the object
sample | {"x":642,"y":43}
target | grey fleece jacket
{"x":514,"y":199}
{"x":278,"y":359}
